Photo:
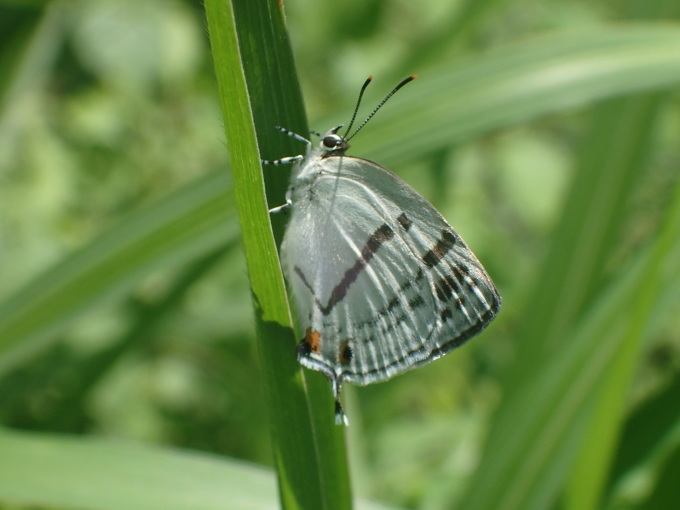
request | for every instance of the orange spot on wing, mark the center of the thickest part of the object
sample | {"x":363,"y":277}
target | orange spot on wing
{"x":313,"y":338}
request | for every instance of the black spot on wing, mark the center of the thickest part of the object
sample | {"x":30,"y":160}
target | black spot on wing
{"x":383,"y":234}
{"x":446,"y":287}
{"x":404,"y":221}
{"x":391,"y":305}
{"x":345,"y":355}
{"x":440,"y":249}
{"x":425,"y":353}
{"x":416,"y":302}
{"x":463,"y":269}
{"x":411,"y":281}
{"x":304,"y":349}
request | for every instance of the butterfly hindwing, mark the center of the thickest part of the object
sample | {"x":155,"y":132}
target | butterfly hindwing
{"x":381,"y":282}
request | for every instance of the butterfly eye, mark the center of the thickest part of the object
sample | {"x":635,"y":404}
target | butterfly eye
{"x":332,"y":141}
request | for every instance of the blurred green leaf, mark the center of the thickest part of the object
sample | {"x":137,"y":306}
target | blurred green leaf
{"x":458,"y":99}
{"x":73,"y":472}
{"x":550,"y":396}
{"x":28,"y":50}
{"x":462,"y":21}
{"x":633,"y":123}
{"x":617,"y":157}
{"x":108,"y":474}
{"x":649,"y":435}
{"x":666,"y":493}
{"x":537,"y":430}
{"x":177,"y":229}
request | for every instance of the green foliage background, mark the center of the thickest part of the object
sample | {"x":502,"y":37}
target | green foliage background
{"x":129,"y":371}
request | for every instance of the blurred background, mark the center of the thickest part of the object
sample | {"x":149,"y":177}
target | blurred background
{"x":124,"y":302}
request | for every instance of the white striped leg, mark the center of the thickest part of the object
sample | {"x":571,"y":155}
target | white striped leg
{"x":290,"y":159}
{"x":282,"y":161}
{"x":294,"y":135}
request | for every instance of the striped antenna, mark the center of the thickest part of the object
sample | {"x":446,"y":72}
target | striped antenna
{"x":356,"y":108}
{"x":375,"y":110}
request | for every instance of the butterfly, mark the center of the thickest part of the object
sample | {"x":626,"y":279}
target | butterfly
{"x":381,"y":282}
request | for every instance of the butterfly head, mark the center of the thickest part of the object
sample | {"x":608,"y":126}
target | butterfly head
{"x":333,"y":144}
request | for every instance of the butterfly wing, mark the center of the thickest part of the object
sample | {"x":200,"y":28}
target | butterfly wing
{"x":381,"y":282}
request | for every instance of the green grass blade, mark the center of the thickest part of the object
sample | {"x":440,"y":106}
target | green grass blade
{"x":459,"y":99}
{"x":462,"y":21}
{"x":540,"y":425}
{"x":594,"y":461}
{"x":547,"y":401}
{"x":628,"y":151}
{"x":173,"y":231}
{"x":71,"y":472}
{"x":249,"y":51}
{"x":666,"y":493}
{"x":555,"y":383}
{"x":650,"y":433}
{"x":53,"y":471}
{"x":611,"y":164}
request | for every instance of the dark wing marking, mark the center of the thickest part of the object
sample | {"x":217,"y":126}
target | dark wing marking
{"x":382,"y":234}
{"x":404,"y":221}
{"x":440,"y":249}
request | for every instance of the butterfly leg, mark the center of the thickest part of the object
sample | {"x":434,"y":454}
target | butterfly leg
{"x":280,"y":208}
{"x":290,"y":159}
{"x":340,"y":416}
{"x":294,"y":135}
{"x":289,"y":202}
{"x":282,"y":161}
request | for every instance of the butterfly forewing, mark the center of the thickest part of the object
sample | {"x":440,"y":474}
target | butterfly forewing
{"x":382,"y":283}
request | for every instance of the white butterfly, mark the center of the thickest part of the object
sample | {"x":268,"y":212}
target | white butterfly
{"x":381,"y":282}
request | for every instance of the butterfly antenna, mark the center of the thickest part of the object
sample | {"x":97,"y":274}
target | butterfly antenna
{"x":375,"y":110}
{"x":356,"y":108}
